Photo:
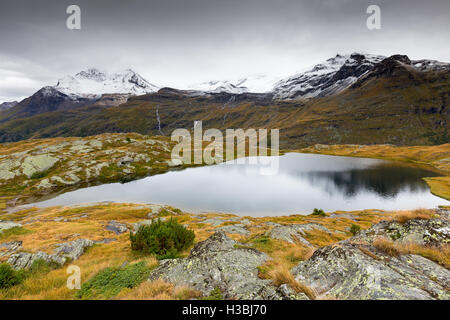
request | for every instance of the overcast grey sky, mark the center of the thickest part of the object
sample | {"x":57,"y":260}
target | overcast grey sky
{"x":175,"y":43}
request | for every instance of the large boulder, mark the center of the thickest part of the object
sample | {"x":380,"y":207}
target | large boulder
{"x":356,"y":269}
{"x":294,"y":233}
{"x":219,"y":262}
{"x":34,"y":164}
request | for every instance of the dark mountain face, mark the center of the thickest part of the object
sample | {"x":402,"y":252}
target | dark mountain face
{"x":48,"y":99}
{"x":7,"y":105}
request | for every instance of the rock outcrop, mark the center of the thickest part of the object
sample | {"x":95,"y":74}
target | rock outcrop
{"x":358,"y":269}
{"x":219,"y":262}
{"x":116,"y":227}
{"x":65,"y":252}
{"x":294,"y":233}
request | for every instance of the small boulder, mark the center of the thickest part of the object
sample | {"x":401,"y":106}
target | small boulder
{"x":116,"y":227}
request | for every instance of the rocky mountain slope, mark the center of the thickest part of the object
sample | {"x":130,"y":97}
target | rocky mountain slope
{"x":342,"y":71}
{"x":328,"y":78}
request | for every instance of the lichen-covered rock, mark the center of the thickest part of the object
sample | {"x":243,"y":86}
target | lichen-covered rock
{"x":7,"y":175}
{"x":235,"y":228}
{"x":74,"y":249}
{"x":9,"y":248}
{"x":219,"y":263}
{"x":294,"y":232}
{"x":68,"y":251}
{"x":24,"y":260}
{"x":116,"y":227}
{"x":356,"y":269}
{"x":45,"y":184}
{"x":213,"y":221}
{"x":421,"y":231}
{"x":38,"y":163}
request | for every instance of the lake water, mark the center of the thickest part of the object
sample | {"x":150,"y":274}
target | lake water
{"x":303,"y":182}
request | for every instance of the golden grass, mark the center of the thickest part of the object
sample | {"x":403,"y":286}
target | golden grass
{"x":387,"y":246}
{"x":440,"y":255}
{"x":280,"y":274}
{"x":404,"y":216}
{"x":439,"y":186}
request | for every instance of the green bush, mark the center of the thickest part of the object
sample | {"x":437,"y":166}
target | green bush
{"x":39,"y":174}
{"x":110,"y":281}
{"x":354,"y":229}
{"x":163,"y":238}
{"x":215,"y":294}
{"x":10,"y":277}
{"x":319,"y":212}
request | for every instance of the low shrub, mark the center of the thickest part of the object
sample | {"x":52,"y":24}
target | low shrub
{"x":110,"y":281}
{"x":39,"y":174}
{"x":354,"y":229}
{"x":166,"y":239}
{"x":319,"y":212}
{"x":10,"y":277}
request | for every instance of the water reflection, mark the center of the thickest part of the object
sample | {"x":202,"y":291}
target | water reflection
{"x":304,"y":182}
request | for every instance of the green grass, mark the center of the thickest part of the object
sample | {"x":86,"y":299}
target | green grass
{"x":16,"y":231}
{"x":215,"y":294}
{"x":110,"y":281}
{"x":10,"y":277}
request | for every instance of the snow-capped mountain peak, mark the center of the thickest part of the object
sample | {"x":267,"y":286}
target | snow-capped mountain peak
{"x":93,"y":83}
{"x":329,"y":77}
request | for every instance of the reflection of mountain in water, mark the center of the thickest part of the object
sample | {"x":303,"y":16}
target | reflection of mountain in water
{"x":385,"y":180}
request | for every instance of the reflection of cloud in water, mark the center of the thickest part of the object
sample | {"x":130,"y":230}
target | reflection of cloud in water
{"x":304,"y":182}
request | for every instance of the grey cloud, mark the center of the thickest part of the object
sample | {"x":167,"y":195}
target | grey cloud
{"x":175,"y":43}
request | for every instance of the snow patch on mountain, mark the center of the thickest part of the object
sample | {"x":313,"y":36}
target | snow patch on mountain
{"x":254,"y":84}
{"x":92,"y":83}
